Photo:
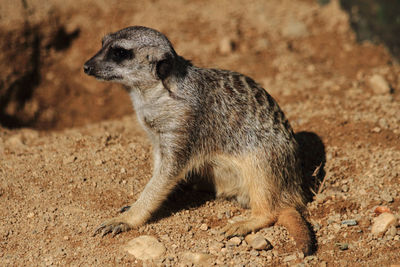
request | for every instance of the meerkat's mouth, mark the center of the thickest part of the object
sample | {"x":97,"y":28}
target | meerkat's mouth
{"x":113,"y":77}
{"x":106,"y":78}
{"x":102,"y":75}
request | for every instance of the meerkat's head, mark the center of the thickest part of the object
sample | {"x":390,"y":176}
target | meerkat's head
{"x":135,"y":56}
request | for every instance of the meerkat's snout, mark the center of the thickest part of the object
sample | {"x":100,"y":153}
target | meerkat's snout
{"x":88,"y":69}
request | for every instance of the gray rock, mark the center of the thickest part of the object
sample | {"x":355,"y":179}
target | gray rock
{"x":145,"y":248}
{"x":349,"y":222}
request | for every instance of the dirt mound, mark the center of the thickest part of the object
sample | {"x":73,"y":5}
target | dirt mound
{"x":41,"y":88}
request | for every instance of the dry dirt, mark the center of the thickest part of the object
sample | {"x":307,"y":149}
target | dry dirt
{"x":77,"y":154}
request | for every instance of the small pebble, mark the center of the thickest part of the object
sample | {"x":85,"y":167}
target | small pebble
{"x":376,"y":130}
{"x":382,"y":223}
{"x":342,"y":246}
{"x":382,"y":209}
{"x":215,"y":248}
{"x":258,"y":242}
{"x":379,"y":84}
{"x":320,"y":198}
{"x":392,"y":231}
{"x":254,"y":253}
{"x":145,"y":248}
{"x":226,"y":46}
{"x":385,"y":196}
{"x":349,"y":222}
{"x":204,"y":227}
{"x":290,"y":258}
{"x":69,"y":160}
{"x":235,"y":241}
{"x":203,"y":259}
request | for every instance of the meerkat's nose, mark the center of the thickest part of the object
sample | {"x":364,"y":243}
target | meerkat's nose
{"x":87,"y":69}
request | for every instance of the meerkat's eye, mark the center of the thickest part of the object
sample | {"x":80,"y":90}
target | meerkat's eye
{"x":119,"y":54}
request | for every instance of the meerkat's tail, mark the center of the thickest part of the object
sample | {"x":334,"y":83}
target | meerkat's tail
{"x":297,"y":228}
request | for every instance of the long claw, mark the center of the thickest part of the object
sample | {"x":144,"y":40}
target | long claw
{"x":98,"y":229}
{"x":107,"y":230}
{"x":113,"y":226}
{"x":125,"y":208}
{"x":117,"y":230}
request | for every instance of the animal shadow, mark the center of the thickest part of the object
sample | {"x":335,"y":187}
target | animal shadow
{"x":312,"y":155}
{"x":189,"y":194}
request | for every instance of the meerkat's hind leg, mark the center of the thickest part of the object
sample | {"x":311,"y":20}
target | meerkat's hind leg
{"x":251,"y":191}
{"x":261,"y":217}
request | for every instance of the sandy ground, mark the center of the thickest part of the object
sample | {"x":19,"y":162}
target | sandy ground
{"x":81,"y":154}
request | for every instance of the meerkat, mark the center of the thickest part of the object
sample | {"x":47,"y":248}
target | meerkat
{"x":219,"y":124}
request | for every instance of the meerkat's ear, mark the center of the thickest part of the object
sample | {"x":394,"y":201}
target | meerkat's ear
{"x":164,"y":67}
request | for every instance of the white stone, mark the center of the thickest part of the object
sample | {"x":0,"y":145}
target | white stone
{"x":378,"y":84}
{"x":382,"y":223}
{"x":204,"y":227}
{"x":258,"y":242}
{"x":145,"y":248}
{"x":235,"y":241}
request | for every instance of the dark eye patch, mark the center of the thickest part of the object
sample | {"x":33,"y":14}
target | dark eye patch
{"x":119,"y":54}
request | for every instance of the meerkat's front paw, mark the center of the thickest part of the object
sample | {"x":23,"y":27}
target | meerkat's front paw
{"x":237,"y":228}
{"x":115,"y":226}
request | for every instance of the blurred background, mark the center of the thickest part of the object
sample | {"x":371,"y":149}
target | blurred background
{"x":285,"y":45}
